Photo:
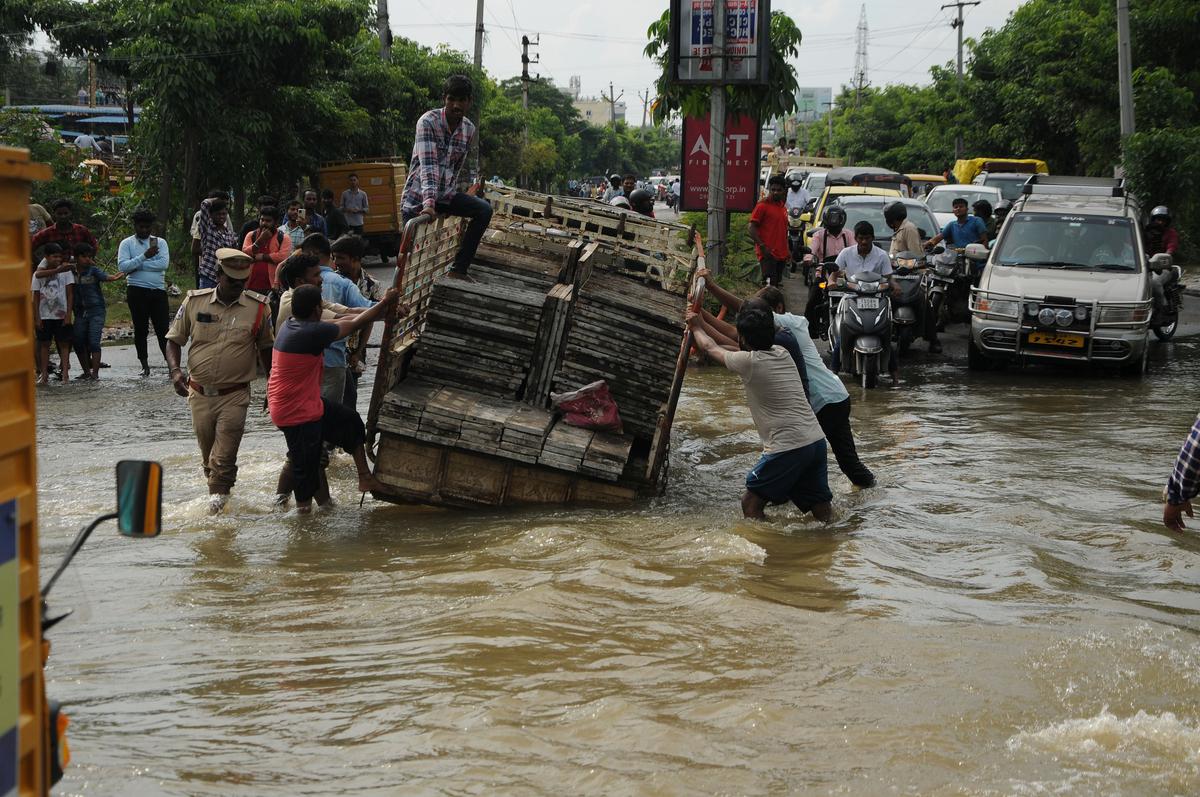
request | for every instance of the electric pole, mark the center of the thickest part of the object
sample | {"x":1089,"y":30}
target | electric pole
{"x":525,"y":62}
{"x":958,"y":23}
{"x":479,"y":35}
{"x":385,"y":31}
{"x":829,"y":118}
{"x":645,"y":98}
{"x":1125,"y":68}
{"x":612,"y":103}
{"x":717,"y":218}
{"x":860,"y":80}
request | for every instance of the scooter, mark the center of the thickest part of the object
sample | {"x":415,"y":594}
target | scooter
{"x":862,"y":327}
{"x":908,"y":307}
{"x":1165,"y":318}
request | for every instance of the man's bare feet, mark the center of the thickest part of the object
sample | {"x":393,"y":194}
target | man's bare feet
{"x":44,"y":379}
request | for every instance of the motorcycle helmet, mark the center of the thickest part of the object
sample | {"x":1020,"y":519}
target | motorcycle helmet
{"x":833,"y":219}
{"x":1001,"y":210}
{"x":641,"y":201}
{"x":621,"y":202}
{"x":1163,"y":212}
{"x":894,"y":213}
{"x":982,"y":208}
{"x":795,"y":182}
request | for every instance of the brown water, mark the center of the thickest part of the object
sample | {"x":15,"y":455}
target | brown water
{"x":1003,"y":615}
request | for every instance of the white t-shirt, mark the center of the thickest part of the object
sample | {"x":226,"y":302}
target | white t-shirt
{"x":53,"y":304}
{"x":851,"y":262}
{"x":796,"y":199}
{"x":775,"y":394}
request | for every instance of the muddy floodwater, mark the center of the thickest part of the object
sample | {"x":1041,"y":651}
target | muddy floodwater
{"x":1003,"y":615}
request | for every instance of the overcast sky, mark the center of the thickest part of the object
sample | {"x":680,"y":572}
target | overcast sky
{"x":602,"y":40}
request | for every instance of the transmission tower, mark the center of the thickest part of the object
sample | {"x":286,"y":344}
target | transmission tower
{"x":859,"y":80}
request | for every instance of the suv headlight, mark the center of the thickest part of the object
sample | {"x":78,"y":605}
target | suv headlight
{"x":1124,"y":315}
{"x":1006,"y":307}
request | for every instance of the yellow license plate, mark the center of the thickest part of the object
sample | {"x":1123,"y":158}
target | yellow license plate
{"x":1065,"y":339}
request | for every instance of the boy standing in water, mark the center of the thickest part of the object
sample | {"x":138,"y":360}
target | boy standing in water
{"x":793,"y":464}
{"x":90,"y":309}
{"x":53,"y":302}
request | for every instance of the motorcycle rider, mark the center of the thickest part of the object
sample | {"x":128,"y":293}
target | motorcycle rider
{"x":797,"y":197}
{"x":827,"y":241}
{"x":964,"y":229}
{"x":1001,"y":211}
{"x":905,"y":235}
{"x":1160,"y":235}
{"x":614,"y":188}
{"x":867,"y":257}
{"x":642,"y":201}
{"x":983,"y":209}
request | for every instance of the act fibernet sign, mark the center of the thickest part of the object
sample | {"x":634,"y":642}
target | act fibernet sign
{"x":747,"y":41}
{"x":741,"y":163}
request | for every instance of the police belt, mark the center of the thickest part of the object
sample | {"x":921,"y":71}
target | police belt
{"x":213,"y":392}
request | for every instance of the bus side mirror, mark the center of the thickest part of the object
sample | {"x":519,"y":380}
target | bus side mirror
{"x":139,"y":498}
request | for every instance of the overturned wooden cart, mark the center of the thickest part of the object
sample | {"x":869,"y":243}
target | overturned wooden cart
{"x":568,"y":292}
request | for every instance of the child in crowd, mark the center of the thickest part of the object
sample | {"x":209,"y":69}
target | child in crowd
{"x":90,"y":309}
{"x":53,"y":300}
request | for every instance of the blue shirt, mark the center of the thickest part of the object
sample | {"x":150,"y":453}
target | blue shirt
{"x":824,"y":387}
{"x":88,"y":289}
{"x":336,"y":288}
{"x":969,"y":232}
{"x":144,"y":272}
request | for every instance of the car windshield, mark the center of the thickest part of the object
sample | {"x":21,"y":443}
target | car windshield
{"x":1009,"y":185}
{"x":942,"y":201}
{"x":815,"y":184}
{"x":873,"y":213}
{"x":1092,"y":243}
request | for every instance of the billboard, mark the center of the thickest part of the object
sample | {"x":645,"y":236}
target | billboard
{"x":747,"y":41}
{"x":742,"y":146}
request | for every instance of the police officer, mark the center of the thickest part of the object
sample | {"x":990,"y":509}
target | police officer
{"x":230,"y":331}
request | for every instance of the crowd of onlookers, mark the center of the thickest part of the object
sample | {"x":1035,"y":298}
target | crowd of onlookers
{"x":69,"y":305}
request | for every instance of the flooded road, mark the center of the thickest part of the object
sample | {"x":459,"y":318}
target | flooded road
{"x":1003,"y":615}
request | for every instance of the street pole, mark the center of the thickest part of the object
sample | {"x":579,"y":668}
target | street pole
{"x":1125,"y":68}
{"x":91,"y":83}
{"x":958,"y":23}
{"x":717,"y":219}
{"x":479,"y":35}
{"x":385,"y":31}
{"x":829,"y":118}
{"x":645,"y":98}
{"x":525,"y":104}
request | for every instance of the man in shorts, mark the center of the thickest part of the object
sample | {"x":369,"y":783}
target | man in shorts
{"x":793,"y":464}
{"x":53,"y":304}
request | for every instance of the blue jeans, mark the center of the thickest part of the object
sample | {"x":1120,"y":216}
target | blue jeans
{"x":205,"y":282}
{"x":89,"y":328}
{"x":479,"y":212}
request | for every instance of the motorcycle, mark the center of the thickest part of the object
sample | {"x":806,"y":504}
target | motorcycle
{"x":824,"y":277}
{"x":796,"y":245}
{"x":862,"y":327}
{"x":1165,"y":318}
{"x":908,"y":306}
{"x":948,"y":289}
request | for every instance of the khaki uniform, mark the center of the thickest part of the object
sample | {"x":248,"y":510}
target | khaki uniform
{"x":222,"y":361}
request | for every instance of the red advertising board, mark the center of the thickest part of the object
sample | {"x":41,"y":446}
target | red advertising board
{"x":742,"y":145}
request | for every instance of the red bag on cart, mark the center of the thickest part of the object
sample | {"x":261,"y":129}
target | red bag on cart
{"x":590,"y":407}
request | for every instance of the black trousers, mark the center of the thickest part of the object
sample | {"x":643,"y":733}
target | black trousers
{"x":478,"y":213}
{"x":338,"y":426}
{"x":146,"y":306}
{"x":835,"y":422}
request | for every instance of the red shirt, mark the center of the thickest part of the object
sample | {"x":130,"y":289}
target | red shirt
{"x":262,"y":272}
{"x":76,"y":234}
{"x":772,"y":220}
{"x":294,"y":387}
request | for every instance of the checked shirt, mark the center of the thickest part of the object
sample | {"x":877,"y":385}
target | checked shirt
{"x":1182,"y":486}
{"x":438,"y":155}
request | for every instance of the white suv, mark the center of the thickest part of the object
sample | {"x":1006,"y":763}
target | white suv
{"x":1067,"y":279}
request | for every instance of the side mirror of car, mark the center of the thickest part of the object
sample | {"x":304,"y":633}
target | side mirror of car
{"x":1160,"y":261}
{"x":976,"y":252}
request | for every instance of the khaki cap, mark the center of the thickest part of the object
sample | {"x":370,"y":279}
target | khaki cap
{"x":234,"y":262}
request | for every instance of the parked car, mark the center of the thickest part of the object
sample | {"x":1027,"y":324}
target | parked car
{"x":941,"y":199}
{"x":870,"y":208}
{"x":1067,"y":279}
